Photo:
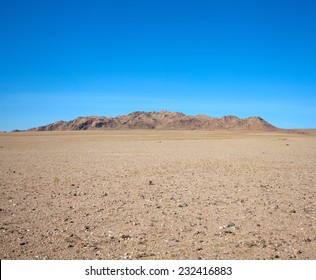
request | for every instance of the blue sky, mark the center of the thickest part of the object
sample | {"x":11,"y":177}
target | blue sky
{"x":64,"y":59}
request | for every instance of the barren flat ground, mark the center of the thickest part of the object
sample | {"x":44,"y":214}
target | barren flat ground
{"x":157,"y":195}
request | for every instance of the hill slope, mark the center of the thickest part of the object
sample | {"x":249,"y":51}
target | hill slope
{"x":159,"y":120}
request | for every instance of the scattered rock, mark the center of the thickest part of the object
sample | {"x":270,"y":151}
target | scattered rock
{"x":251,"y":244}
{"x":182,"y":205}
{"x":126,"y":237}
{"x":144,"y":255}
{"x":228,"y":231}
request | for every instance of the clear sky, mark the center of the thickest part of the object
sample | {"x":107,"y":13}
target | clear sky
{"x":63,"y":59}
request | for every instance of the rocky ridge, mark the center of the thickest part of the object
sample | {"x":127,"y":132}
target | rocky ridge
{"x":163,"y":120}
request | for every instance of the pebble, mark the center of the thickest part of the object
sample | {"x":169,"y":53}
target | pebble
{"x":183,"y":205}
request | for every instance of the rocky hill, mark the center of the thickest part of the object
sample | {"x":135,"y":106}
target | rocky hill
{"x":159,"y":120}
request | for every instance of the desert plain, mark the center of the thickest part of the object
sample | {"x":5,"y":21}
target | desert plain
{"x":148,"y":194}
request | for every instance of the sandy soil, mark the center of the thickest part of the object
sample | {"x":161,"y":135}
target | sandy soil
{"x":157,"y":195}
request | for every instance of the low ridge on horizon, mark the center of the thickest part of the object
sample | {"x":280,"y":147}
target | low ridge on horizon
{"x":163,"y":120}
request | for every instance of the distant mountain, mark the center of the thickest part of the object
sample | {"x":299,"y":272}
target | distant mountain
{"x":159,"y":120}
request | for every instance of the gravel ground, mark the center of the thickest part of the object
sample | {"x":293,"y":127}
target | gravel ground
{"x":157,"y":195}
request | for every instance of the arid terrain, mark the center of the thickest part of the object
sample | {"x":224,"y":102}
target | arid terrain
{"x":154,"y":194}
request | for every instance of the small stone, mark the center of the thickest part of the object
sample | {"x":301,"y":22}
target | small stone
{"x":126,"y":237}
{"x":183,"y":205}
{"x":251,"y":244}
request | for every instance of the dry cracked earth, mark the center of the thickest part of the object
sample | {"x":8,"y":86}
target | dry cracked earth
{"x":157,"y":195}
